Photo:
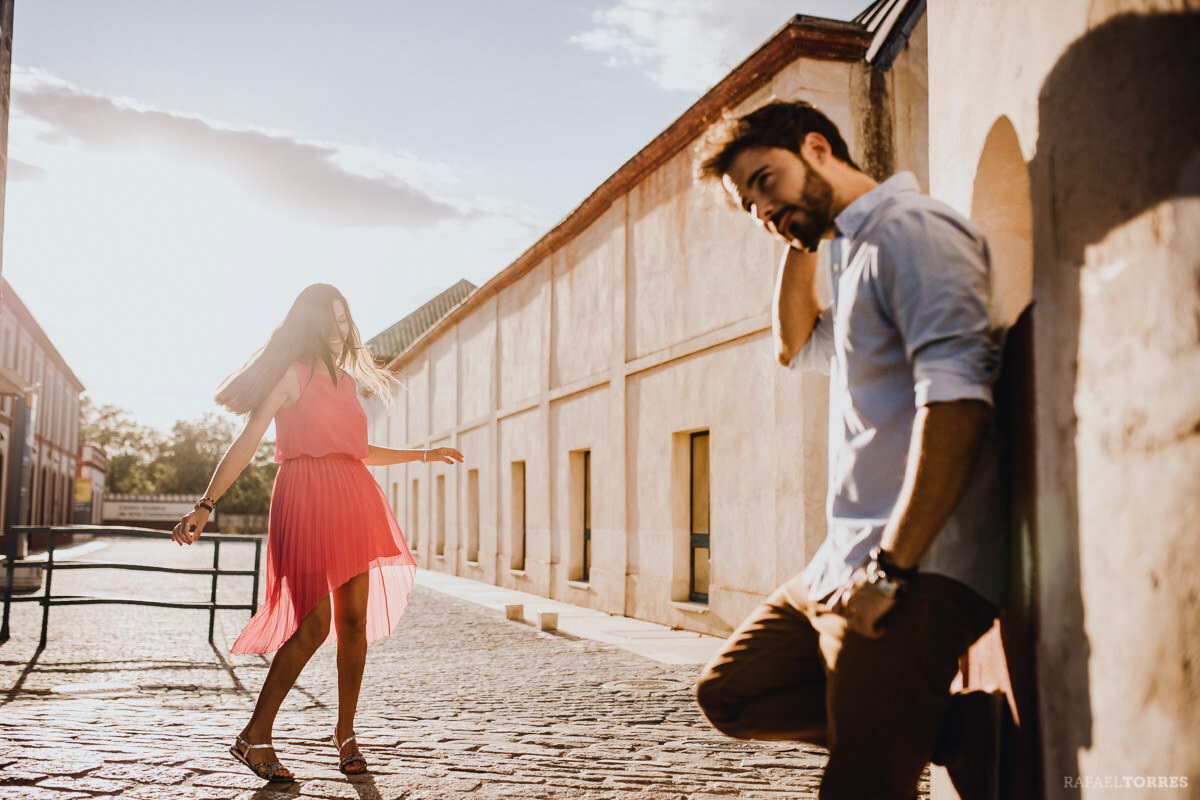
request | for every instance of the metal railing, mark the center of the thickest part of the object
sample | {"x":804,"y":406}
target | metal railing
{"x":48,"y":599}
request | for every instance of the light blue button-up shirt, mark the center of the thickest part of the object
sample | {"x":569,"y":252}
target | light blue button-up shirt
{"x":909,"y":325}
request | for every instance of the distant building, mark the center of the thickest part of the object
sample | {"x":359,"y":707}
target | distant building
{"x":395,"y":340}
{"x":29,"y":360}
{"x":89,"y":485}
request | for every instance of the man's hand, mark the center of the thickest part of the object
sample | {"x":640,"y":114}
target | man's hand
{"x":861,"y":604}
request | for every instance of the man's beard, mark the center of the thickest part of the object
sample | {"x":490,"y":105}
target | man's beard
{"x":812,"y":215}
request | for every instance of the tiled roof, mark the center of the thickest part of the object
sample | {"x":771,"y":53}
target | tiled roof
{"x":396,"y":339}
{"x":890,"y":22}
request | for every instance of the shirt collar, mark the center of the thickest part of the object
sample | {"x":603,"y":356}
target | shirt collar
{"x":851,"y":220}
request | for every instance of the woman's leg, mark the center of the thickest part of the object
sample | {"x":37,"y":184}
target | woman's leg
{"x":285,"y":668}
{"x":350,"y":621}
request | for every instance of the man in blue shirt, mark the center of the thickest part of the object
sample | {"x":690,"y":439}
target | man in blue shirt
{"x":858,"y":652}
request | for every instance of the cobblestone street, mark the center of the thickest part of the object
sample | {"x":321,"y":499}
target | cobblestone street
{"x":132,"y":702}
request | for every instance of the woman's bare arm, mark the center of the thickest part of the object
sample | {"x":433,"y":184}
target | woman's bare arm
{"x":384,"y":456}
{"x":239,"y":454}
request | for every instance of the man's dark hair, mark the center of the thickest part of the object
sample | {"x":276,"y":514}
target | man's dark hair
{"x":779,"y":124}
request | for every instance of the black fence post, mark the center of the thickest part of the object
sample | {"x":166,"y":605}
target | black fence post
{"x":254,"y":589}
{"x":10,"y":552}
{"x":50,"y":538}
{"x":212,"y":611}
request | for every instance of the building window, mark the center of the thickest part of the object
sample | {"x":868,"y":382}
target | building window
{"x":587,"y":515}
{"x":518,"y":541}
{"x":440,"y":543}
{"x":416,"y":511}
{"x":579,"y":509}
{"x":700,"y":553}
{"x":473,"y":516}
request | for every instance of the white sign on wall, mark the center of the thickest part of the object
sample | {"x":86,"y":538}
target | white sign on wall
{"x":125,"y":511}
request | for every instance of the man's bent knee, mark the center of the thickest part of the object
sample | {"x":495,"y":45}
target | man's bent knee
{"x":717,"y":709}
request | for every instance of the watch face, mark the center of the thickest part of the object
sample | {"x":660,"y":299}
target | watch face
{"x":888,"y":588}
{"x":882,"y":583}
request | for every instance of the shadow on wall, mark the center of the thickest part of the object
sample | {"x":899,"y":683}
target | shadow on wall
{"x":1119,"y":128}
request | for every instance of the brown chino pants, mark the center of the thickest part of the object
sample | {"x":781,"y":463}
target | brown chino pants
{"x":794,"y":672}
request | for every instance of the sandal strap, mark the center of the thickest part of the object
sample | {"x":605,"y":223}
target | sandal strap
{"x":346,"y":741}
{"x":245,"y":745}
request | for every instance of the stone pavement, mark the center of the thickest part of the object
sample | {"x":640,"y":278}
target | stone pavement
{"x":133,"y":702}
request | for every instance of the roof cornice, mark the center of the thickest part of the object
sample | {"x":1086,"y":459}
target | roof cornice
{"x":10,"y":299}
{"x":802,"y":37}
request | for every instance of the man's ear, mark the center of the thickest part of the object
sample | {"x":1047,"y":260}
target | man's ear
{"x":815,"y":148}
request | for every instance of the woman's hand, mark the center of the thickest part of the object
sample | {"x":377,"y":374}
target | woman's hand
{"x":190,"y":526}
{"x":447,"y":455}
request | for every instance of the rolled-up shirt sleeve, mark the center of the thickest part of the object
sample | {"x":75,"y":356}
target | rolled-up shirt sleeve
{"x":937,"y":289}
{"x":817,"y":353}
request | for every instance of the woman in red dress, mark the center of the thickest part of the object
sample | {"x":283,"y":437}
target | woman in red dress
{"x":331,"y":535}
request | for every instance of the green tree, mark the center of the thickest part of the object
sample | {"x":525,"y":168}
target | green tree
{"x":142,"y":460}
{"x":191,"y":453}
{"x":251,"y":492}
{"x":132,"y":448}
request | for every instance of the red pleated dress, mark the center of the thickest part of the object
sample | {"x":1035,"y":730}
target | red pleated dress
{"x":329,"y":519}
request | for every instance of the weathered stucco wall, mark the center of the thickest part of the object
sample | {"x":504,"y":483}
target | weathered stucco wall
{"x":1102,"y":108}
{"x":477,"y":364}
{"x":416,"y":380}
{"x":583,"y":303}
{"x":524,"y":337}
{"x":729,"y":393}
{"x":443,"y":380}
{"x":522,"y":438}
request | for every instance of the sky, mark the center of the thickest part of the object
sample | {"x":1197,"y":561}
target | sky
{"x":178,"y":172}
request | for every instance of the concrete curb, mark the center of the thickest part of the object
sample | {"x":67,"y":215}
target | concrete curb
{"x":646,"y":639}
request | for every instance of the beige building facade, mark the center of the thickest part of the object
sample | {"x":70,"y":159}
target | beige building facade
{"x":630,"y":444}
{"x":630,"y":440}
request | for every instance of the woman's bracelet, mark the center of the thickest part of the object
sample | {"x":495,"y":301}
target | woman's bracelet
{"x":207,"y":503}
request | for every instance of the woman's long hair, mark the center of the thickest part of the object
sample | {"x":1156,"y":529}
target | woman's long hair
{"x":304,"y":336}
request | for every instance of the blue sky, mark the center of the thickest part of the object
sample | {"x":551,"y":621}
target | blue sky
{"x":179,"y":171}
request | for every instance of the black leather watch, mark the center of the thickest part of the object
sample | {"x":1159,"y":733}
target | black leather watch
{"x":888,"y":579}
{"x":884,"y":559}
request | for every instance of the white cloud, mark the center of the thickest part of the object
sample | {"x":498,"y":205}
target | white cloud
{"x":21,"y":171}
{"x":159,"y":249}
{"x":683,"y":45}
{"x":331,"y":183}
